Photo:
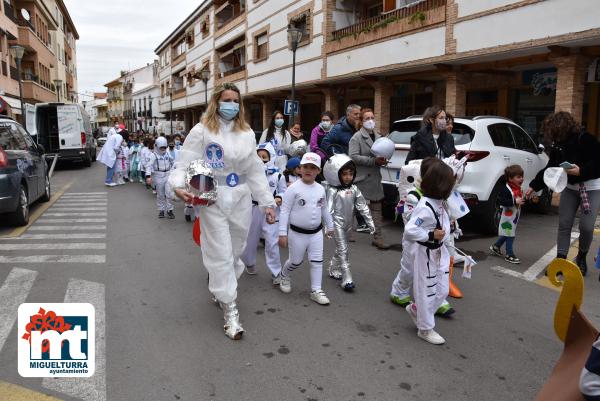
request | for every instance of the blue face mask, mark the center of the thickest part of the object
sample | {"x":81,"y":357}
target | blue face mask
{"x":229,"y":110}
{"x":279,"y":122}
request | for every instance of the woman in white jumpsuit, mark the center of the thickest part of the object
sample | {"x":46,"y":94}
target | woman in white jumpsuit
{"x":227,"y":144}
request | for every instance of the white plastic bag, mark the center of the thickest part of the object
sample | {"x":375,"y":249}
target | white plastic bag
{"x":555,"y":178}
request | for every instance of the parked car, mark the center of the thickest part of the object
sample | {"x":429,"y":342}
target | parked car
{"x":64,"y":129}
{"x":23,"y":172}
{"x":492,"y":143}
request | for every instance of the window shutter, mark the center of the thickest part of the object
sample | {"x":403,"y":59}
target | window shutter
{"x":389,"y":5}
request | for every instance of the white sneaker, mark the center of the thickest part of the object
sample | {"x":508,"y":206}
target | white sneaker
{"x":411,"y":309}
{"x":276,"y":279}
{"x":251,"y":270}
{"x":431,"y":337}
{"x":110,"y":184}
{"x":319,"y":297}
{"x":285,"y":284}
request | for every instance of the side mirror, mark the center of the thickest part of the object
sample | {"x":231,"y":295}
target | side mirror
{"x":41,"y":148}
{"x":541,"y":148}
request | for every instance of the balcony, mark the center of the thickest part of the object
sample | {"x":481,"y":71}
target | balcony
{"x":227,"y":15}
{"x":412,"y":17}
{"x":30,"y":41}
{"x":38,"y":92}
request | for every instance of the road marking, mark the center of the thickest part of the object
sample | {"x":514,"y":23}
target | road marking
{"x":38,"y":212}
{"x":36,"y":247}
{"x":86,"y":193}
{"x":59,"y":228}
{"x":97,"y":214}
{"x":54,"y":259}
{"x":74,"y":203}
{"x":508,"y":271}
{"x":92,"y":388}
{"x":543,"y":262}
{"x":12,"y":294}
{"x":61,"y":236}
{"x":77,"y":209}
{"x":12,"y":392}
{"x":99,"y":197}
{"x":545,"y":282}
{"x":45,"y":221}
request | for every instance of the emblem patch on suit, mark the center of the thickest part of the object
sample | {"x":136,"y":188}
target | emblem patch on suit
{"x":214,"y":155}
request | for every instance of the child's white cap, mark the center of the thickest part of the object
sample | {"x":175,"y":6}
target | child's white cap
{"x":311,"y":158}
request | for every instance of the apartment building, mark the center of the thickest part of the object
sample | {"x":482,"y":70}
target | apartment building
{"x":41,"y":27}
{"x":96,"y":109}
{"x":516,"y":58}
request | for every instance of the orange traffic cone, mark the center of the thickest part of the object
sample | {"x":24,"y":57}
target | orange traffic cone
{"x":454,"y":291}
{"x":196,"y":231}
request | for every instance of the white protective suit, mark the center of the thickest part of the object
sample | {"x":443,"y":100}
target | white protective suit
{"x":342,"y":200}
{"x":158,"y":167}
{"x":224,"y":225}
{"x":259,"y":226}
{"x":431,"y":260}
{"x":108,"y":153}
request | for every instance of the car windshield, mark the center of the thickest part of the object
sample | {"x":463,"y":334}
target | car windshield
{"x":402,"y":131}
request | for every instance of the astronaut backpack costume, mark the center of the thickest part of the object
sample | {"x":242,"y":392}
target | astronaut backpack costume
{"x":259,"y":225}
{"x":158,"y":166}
{"x":341,"y":201}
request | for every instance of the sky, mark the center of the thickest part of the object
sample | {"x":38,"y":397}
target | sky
{"x":117,"y":35}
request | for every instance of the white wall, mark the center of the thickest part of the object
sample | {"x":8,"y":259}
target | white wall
{"x":536,"y":21}
{"x":468,"y":7}
{"x":429,"y":43}
{"x":283,"y":77}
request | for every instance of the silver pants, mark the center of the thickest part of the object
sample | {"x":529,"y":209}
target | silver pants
{"x":339,"y":260}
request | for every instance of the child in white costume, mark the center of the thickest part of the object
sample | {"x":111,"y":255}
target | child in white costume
{"x":343,"y":198}
{"x":157,"y":169}
{"x":425,"y":234}
{"x":303,"y":211}
{"x":121,"y":165}
{"x":259,"y":225}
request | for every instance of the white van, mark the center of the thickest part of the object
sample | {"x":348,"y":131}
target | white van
{"x":64,"y":129}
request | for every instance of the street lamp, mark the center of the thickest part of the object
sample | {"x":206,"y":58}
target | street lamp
{"x":170,"y":90}
{"x":57,"y":85}
{"x":205,"y":76}
{"x":294,"y":37}
{"x":17,"y":52}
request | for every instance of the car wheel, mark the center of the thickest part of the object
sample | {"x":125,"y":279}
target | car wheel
{"x":20,"y":217}
{"x":492,"y":212}
{"x":47,"y":191}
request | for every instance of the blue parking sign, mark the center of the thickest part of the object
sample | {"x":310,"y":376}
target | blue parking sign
{"x":291,"y":107}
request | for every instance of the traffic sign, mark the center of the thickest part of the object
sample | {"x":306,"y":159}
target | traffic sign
{"x":291,"y":107}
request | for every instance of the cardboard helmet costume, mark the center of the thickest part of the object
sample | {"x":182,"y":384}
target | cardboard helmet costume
{"x":298,"y":148}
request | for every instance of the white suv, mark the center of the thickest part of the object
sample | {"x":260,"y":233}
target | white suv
{"x":492,"y":143}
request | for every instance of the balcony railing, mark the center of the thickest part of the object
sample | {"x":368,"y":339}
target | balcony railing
{"x":414,"y":12}
{"x":232,"y":71}
{"x":227,"y":12}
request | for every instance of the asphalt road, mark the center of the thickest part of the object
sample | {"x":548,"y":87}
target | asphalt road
{"x":161,"y":338}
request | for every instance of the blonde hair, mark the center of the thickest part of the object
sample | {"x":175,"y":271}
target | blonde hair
{"x":210,"y":118}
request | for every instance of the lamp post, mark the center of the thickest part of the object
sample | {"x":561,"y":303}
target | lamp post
{"x":205,"y":76}
{"x":294,"y":37}
{"x":17,"y":52}
{"x":57,"y":86}
{"x":170,"y":89}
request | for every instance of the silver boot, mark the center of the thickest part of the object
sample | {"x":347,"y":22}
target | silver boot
{"x":233,"y":328}
{"x":334,"y":269}
{"x":347,"y":283}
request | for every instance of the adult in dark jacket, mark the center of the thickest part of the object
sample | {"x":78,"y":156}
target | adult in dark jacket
{"x":432,"y":140}
{"x":570,"y":144}
{"x":337,"y":140}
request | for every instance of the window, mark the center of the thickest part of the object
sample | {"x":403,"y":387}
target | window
{"x":29,"y":142}
{"x":302,"y":21}
{"x":261,"y":46}
{"x":205,"y":27}
{"x":10,"y":138}
{"x":501,"y":135}
{"x":523,"y":141}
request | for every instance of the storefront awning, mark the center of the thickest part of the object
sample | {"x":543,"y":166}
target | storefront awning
{"x":13,"y":103}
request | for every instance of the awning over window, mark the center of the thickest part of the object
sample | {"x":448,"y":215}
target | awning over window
{"x":13,"y":103}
